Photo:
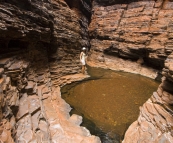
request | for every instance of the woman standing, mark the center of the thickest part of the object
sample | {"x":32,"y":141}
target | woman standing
{"x":83,"y":59}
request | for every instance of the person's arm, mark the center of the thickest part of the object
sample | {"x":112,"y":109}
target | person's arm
{"x":80,"y":56}
{"x":86,"y":56}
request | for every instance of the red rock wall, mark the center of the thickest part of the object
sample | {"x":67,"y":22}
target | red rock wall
{"x":132,"y":30}
{"x":137,"y":31}
{"x":40,"y":43}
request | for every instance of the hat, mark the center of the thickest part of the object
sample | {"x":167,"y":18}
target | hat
{"x":83,"y":48}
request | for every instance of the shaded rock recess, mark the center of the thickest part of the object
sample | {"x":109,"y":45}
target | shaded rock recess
{"x":40,"y":43}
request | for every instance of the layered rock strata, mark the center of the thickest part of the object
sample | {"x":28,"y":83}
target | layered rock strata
{"x":32,"y":109}
{"x":155,"y":121}
{"x":139,"y":30}
{"x":128,"y":36}
{"x":69,"y":35}
{"x":35,"y":59}
{"x":40,"y":43}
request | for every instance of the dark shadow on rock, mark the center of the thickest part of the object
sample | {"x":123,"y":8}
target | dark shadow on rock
{"x":159,"y":76}
{"x":167,"y":86}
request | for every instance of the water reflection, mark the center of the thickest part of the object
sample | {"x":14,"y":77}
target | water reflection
{"x":109,"y":101}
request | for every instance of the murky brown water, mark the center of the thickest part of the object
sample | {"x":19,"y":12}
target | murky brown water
{"x":110,"y":99}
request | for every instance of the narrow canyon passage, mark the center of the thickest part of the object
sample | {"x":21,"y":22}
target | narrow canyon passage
{"x":40,"y":44}
{"x":110,"y":100}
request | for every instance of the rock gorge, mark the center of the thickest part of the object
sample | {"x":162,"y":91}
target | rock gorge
{"x":40,"y":42}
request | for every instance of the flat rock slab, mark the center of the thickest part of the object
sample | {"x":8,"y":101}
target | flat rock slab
{"x":23,"y":106}
{"x":15,"y":66}
{"x":4,"y":61}
{"x":71,"y":78}
{"x":34,"y":103}
{"x":117,"y":64}
{"x":64,"y":128}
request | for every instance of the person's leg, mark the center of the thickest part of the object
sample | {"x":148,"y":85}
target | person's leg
{"x":83,"y":68}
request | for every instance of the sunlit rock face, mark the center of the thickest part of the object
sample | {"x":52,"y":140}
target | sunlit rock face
{"x":132,"y":30}
{"x":40,"y":42}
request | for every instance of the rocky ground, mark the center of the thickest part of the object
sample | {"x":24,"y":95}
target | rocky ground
{"x":118,"y":64}
{"x":32,"y":107}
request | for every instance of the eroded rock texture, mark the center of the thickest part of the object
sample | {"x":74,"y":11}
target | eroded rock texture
{"x":137,"y":30}
{"x":142,"y":32}
{"x":155,"y":121}
{"x":40,"y":43}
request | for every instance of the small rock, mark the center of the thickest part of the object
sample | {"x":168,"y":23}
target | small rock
{"x":140,"y":61}
{"x":76,"y":119}
{"x":29,"y":88}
